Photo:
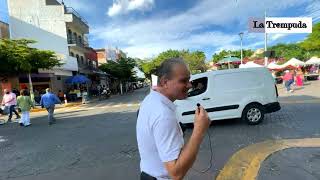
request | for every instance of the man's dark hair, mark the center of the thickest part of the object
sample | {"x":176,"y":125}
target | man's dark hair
{"x":24,"y":92}
{"x":165,"y":69}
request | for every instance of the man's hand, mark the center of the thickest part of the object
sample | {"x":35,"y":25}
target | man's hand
{"x":178,"y":168}
{"x":201,"y":121}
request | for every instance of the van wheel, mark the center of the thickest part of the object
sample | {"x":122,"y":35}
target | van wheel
{"x":253,"y":114}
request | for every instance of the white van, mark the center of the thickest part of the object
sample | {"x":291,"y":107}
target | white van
{"x":247,"y":93}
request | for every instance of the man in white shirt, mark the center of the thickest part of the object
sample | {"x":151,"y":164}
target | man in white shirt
{"x":160,"y":140}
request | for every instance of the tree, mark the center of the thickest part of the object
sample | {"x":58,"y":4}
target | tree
{"x":123,"y":70}
{"x":218,"y":56}
{"x":288,"y":51}
{"x":312,"y":43}
{"x":147,"y":67}
{"x":17,"y":57}
{"x":195,"y":61}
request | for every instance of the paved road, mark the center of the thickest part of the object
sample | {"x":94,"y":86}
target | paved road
{"x":97,"y":141}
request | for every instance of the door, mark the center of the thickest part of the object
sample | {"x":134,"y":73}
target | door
{"x":199,"y":93}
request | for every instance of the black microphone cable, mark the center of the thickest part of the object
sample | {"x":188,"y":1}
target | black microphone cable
{"x":211,"y":153}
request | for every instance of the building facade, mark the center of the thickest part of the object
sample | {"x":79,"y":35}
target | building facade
{"x":4,"y":30}
{"x":55,"y":27}
{"x":109,"y":54}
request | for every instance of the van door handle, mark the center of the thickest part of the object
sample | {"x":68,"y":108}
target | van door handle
{"x":205,"y":99}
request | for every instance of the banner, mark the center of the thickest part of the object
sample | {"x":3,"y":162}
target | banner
{"x":284,"y":25}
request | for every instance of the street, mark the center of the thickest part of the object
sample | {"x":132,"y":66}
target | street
{"x":98,"y":141}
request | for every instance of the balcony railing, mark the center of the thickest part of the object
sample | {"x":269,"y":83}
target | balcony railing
{"x":82,"y":43}
{"x":70,"y":10}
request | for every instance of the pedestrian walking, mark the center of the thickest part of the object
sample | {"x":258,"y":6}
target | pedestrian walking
{"x":299,"y":78}
{"x":48,"y":101}
{"x":160,"y":138}
{"x":288,"y":79}
{"x":10,"y":101}
{"x":25,"y":103}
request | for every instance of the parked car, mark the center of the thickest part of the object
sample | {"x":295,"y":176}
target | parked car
{"x":247,"y":93}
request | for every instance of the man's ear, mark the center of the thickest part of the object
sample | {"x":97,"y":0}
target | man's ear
{"x":163,"y":82}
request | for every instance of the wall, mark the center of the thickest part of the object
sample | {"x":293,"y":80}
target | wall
{"x":46,"y":24}
{"x":101,"y":56}
{"x":4,"y":30}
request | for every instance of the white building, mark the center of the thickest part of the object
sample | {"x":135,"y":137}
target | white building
{"x":45,"y":21}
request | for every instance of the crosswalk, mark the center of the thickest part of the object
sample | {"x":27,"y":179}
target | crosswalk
{"x":2,"y":139}
{"x":98,"y":106}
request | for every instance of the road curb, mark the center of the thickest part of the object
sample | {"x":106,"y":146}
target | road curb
{"x":245,"y":164}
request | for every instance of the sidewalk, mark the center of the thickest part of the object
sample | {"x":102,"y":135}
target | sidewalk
{"x":58,"y":106}
{"x":113,"y":99}
{"x":293,"y":164}
{"x":282,"y":159}
{"x":307,"y":93}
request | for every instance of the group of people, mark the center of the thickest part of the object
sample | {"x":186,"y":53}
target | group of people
{"x":24,"y":103}
{"x":293,"y":77}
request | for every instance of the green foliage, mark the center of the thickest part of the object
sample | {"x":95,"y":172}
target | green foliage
{"x":195,"y":61}
{"x":312,"y":43}
{"x":147,"y":67}
{"x":288,"y":51}
{"x":16,"y":57}
{"x":123,"y":69}
{"x":218,"y":56}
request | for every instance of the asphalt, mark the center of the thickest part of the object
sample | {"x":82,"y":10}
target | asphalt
{"x":97,"y":141}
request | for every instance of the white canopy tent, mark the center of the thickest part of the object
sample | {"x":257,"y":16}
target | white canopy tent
{"x":273,"y":65}
{"x":249,"y":64}
{"x":313,"y":60}
{"x":294,"y":62}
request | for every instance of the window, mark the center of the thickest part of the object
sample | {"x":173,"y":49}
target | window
{"x":80,"y":40}
{"x":69,"y":36}
{"x":77,"y":56}
{"x":82,"y":60}
{"x":238,"y":81}
{"x":74,"y":37}
{"x":199,"y":86}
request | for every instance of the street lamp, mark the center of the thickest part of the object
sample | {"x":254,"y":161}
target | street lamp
{"x":241,"y":36}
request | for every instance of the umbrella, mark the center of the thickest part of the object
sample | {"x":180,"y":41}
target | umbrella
{"x":229,"y":59}
{"x":313,"y":60}
{"x":77,"y":79}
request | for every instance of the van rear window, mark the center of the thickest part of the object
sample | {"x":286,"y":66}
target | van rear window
{"x":238,"y":81}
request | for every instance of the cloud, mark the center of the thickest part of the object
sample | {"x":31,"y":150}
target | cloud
{"x":313,"y":10}
{"x":191,"y":29}
{"x":124,"y":6}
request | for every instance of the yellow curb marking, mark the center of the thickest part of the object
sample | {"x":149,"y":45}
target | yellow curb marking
{"x":245,"y":164}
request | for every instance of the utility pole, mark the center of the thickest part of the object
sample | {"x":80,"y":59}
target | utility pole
{"x":241,"y":36}
{"x":265,"y":40}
